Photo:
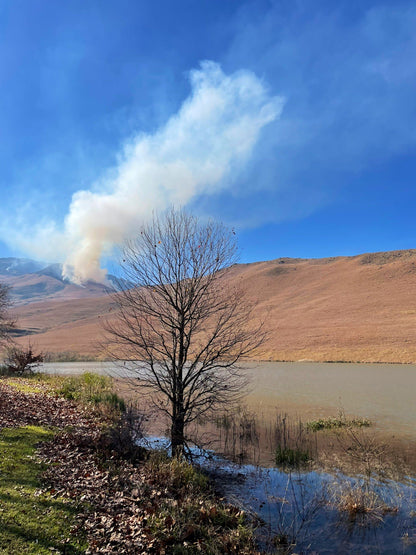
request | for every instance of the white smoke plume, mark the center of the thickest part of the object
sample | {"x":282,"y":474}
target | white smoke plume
{"x":197,"y":152}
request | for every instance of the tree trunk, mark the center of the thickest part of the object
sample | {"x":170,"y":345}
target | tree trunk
{"x":177,"y":435}
{"x":178,"y":414}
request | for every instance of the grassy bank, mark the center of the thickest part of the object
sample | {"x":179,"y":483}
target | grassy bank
{"x":31,"y":522}
{"x":71,"y":482}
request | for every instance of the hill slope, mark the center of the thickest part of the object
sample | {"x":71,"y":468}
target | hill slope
{"x":32,"y":281}
{"x":360,"y":308}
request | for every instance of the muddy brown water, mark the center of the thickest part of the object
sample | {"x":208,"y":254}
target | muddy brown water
{"x":383,"y":393}
{"x":301,"y":505}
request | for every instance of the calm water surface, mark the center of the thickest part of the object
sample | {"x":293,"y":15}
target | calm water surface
{"x":301,"y":506}
{"x":384,"y":393}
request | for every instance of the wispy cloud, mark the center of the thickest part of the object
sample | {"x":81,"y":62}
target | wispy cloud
{"x":349,"y":75}
{"x":197,"y":152}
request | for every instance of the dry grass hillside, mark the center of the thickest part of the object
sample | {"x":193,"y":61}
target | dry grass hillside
{"x":360,"y":308}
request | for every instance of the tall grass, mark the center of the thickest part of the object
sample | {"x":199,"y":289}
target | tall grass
{"x":92,"y":388}
{"x":291,"y":442}
{"x":238,"y":434}
{"x":362,"y":501}
{"x":285,"y":456}
{"x":245,"y":436}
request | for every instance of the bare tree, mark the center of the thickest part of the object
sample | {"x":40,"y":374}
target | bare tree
{"x":6,"y":321}
{"x":183,"y":326}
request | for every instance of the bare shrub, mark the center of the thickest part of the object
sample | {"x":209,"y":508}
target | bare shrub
{"x":124,"y":435}
{"x":21,"y":360}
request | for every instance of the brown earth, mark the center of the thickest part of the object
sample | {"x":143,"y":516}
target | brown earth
{"x":360,"y":308}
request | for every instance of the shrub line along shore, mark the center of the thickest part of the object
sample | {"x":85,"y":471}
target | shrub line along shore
{"x":71,"y":481}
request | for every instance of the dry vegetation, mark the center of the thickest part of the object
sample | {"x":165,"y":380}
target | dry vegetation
{"x":79,"y":493}
{"x":358,"y":308}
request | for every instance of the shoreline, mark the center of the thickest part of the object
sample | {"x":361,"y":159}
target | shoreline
{"x":98,"y":360}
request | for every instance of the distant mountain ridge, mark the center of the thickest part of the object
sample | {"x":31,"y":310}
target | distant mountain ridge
{"x":33,"y":281}
{"x":346,"y":308}
{"x":20,"y":266}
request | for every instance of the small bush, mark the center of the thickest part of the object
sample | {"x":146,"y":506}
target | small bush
{"x":175,"y":474}
{"x":4,"y":370}
{"x":86,"y":387}
{"x":124,"y":434}
{"x":20,"y":361}
{"x":112,"y":400}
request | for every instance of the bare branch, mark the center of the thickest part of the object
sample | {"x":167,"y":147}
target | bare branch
{"x":180,"y":320}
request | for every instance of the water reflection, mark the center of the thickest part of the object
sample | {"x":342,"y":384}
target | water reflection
{"x":313,"y":512}
{"x":353,"y":493}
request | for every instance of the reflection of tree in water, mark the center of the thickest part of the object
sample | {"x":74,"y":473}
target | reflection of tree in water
{"x":304,"y":510}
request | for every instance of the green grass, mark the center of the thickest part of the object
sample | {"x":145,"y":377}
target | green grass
{"x":285,"y":456}
{"x":335,"y":423}
{"x":38,"y":382}
{"x":31,"y":522}
{"x":87,"y":388}
{"x":22,"y":386}
{"x":91,"y":388}
{"x":176,"y":474}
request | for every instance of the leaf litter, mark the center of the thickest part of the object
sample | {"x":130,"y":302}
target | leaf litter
{"x":123,"y":507}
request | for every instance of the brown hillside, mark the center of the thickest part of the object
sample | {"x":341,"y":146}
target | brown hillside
{"x":32,"y":288}
{"x":360,"y":308}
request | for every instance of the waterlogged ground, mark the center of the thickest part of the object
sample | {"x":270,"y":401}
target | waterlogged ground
{"x":302,"y":512}
{"x":313,"y":512}
{"x":356,"y":494}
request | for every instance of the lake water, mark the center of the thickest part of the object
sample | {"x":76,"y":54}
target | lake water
{"x":304,"y":507}
{"x":384,"y":393}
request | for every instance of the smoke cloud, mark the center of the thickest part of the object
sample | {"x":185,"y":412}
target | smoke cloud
{"x":198,"y":151}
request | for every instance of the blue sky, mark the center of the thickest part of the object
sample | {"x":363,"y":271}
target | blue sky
{"x":293,"y":121}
